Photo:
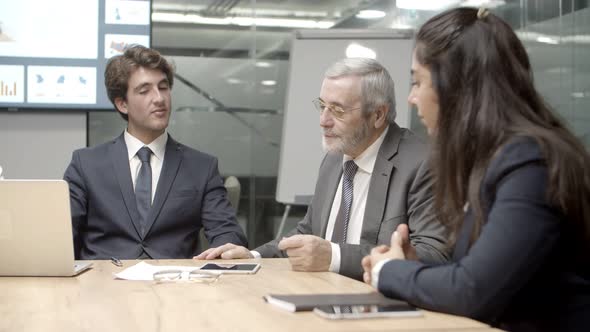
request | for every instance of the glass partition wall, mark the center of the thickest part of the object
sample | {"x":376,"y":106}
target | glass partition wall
{"x":232,"y":60}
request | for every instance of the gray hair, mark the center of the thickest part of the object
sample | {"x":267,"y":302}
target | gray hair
{"x":377,"y":88}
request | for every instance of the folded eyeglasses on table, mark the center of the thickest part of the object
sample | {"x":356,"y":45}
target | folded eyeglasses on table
{"x":196,"y":276}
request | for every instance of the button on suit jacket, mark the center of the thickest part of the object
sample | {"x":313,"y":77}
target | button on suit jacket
{"x":190,"y":195}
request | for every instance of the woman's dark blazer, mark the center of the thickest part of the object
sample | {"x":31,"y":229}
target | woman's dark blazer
{"x":527,"y":271}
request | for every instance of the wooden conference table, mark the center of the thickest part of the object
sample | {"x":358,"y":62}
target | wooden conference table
{"x":94,"y":301}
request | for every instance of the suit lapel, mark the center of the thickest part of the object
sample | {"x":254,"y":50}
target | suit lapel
{"x":172,"y":161}
{"x":383,"y":170}
{"x":120,"y":159}
{"x":331,"y":185}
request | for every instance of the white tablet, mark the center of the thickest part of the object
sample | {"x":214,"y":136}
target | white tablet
{"x":237,"y":268}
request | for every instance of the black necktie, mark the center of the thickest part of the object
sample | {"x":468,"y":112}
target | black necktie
{"x":143,"y":186}
{"x":341,"y":224}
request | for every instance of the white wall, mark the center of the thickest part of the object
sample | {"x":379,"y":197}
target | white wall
{"x":35,"y":145}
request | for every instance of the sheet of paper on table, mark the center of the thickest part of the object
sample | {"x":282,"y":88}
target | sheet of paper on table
{"x":145,"y":271}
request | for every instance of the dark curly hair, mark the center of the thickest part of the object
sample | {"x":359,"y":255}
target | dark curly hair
{"x":120,"y":67}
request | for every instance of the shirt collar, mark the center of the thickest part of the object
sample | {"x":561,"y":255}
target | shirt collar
{"x":366,"y":160}
{"x":158,"y":146}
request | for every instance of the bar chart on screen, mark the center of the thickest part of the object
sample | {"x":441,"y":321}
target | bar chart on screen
{"x":12,"y":83}
{"x":6,"y":91}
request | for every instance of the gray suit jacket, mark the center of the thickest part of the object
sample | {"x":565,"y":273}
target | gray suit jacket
{"x":399,"y":192}
{"x":190,"y":195}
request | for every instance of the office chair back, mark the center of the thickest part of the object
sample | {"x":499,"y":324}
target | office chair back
{"x":232,"y":184}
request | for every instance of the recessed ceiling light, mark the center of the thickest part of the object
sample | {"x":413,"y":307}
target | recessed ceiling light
{"x":241,"y":21}
{"x":483,"y":3}
{"x":370,"y":14}
{"x":263,"y":64}
{"x":547,"y":40}
{"x":233,"y":80}
{"x":268,"y":82}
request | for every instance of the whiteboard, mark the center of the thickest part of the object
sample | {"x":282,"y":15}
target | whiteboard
{"x":312,"y":52}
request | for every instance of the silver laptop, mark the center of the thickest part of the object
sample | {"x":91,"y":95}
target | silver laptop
{"x":36,"y":229}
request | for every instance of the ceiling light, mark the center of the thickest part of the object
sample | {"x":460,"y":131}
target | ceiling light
{"x":241,"y":21}
{"x":577,"y":39}
{"x":188,"y":18}
{"x":425,"y":4}
{"x":547,"y":40}
{"x":280,"y":22}
{"x":268,"y":82}
{"x":358,"y":51}
{"x":263,"y":64}
{"x":273,"y":12}
{"x":529,"y":36}
{"x":233,"y":80}
{"x":370,"y":14}
{"x":483,"y":3}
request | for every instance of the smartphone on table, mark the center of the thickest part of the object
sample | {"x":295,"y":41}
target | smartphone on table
{"x":366,"y":311}
{"x":235,"y":268}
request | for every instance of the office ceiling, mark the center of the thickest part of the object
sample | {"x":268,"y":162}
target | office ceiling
{"x":177,"y":37}
{"x":342,"y":12}
{"x":206,"y":25}
{"x":566,"y":21}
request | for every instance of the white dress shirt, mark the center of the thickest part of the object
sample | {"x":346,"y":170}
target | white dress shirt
{"x":365,"y":162}
{"x":158,"y":147}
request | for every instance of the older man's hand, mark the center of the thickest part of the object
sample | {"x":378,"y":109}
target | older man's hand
{"x":307,"y":252}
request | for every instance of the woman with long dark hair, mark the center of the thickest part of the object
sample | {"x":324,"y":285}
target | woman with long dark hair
{"x":512,"y":184}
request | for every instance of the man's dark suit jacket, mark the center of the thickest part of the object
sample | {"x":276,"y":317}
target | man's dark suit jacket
{"x":190,"y":195}
{"x":399,"y":192}
{"x":525,"y":272}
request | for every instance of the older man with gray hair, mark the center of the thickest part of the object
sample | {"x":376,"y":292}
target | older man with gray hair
{"x":373,"y":178}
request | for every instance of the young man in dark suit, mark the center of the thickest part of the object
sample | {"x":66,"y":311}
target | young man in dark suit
{"x":144,"y":195}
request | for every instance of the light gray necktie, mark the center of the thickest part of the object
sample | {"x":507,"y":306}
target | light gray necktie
{"x":341,"y":224}
{"x":143,"y":186}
